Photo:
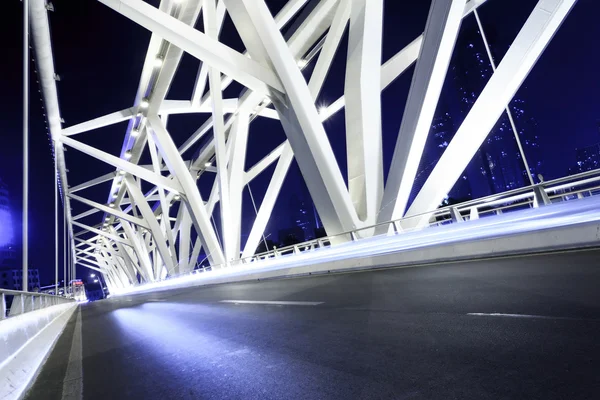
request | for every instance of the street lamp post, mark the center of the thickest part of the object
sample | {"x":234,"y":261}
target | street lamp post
{"x":98,"y":280}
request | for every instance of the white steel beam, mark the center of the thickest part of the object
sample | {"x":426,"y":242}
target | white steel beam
{"x":40,"y":35}
{"x":164,"y":204}
{"x":121,"y":164}
{"x":396,"y":65}
{"x":238,"y":139}
{"x":330,"y":46}
{"x":85,"y":214}
{"x":171,"y":107}
{"x":363,"y":108}
{"x":111,"y":210}
{"x":195,"y":255}
{"x":184,"y":240}
{"x":303,"y":38}
{"x":96,"y":123}
{"x":440,"y":35}
{"x":93,"y":182}
{"x":266,"y":207}
{"x":264,"y":163}
{"x":202,"y":75}
{"x":128,"y":259}
{"x":518,"y":61}
{"x":80,"y":262}
{"x":192,"y":199}
{"x":102,"y":233}
{"x":161,"y":243}
{"x":242,"y":69}
{"x":140,"y":252}
{"x":214,"y":80}
{"x":299,"y":118}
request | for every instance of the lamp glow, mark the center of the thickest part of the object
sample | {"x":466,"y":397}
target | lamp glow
{"x":144,"y":103}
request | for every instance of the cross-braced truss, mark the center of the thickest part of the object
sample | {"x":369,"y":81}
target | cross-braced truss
{"x":145,"y":236}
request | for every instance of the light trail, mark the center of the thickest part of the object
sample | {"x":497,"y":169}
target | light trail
{"x":516,"y":222}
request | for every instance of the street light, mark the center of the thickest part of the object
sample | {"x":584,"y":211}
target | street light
{"x":92,"y":275}
{"x":95,"y":280}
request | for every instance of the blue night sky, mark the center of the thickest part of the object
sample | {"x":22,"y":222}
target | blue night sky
{"x":99,"y":55}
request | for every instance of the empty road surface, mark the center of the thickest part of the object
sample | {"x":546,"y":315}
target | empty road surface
{"x":513,"y":328}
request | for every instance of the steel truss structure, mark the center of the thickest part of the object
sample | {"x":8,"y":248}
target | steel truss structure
{"x":146,"y":236}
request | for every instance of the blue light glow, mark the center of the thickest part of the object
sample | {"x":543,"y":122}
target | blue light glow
{"x":6,"y":229}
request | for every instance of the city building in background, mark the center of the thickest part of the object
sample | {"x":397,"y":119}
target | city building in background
{"x":301,"y":213}
{"x":498,"y":165}
{"x":442,"y":131}
{"x":587,"y":158}
{"x":290,"y":236}
{"x":13,"y":279}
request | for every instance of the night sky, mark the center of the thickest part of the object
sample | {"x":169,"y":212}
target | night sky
{"x":99,"y":55}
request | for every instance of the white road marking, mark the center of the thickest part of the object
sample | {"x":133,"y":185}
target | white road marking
{"x":278,"y":303}
{"x":73,"y":383}
{"x":517,"y":316}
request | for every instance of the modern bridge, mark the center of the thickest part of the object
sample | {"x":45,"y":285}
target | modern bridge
{"x":403,"y":298}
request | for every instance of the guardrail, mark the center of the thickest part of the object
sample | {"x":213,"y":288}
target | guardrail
{"x":15,"y":302}
{"x":563,"y":189}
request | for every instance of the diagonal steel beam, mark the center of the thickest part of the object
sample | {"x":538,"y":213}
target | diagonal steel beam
{"x":126,"y":166}
{"x":111,"y":210}
{"x":244,"y":70}
{"x":522,"y":55}
{"x":102,"y":233}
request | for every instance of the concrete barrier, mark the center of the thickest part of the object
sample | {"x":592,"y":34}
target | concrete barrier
{"x":26,"y":342}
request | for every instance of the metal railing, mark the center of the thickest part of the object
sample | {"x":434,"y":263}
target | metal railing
{"x":558,"y":190}
{"x":15,"y":302}
{"x":569,"y":188}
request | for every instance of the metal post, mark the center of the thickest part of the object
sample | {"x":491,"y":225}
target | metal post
{"x":540,"y":197}
{"x":64,"y":247}
{"x":73,"y":273}
{"x":474,"y":213}
{"x":455,"y":214}
{"x":68,"y":262}
{"x":2,"y":306}
{"x":510,"y":117}
{"x":55,"y":224}
{"x":25,"y":279}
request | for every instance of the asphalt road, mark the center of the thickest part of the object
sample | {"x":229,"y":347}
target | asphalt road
{"x":411,"y":333}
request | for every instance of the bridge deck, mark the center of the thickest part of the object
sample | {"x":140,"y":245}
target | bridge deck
{"x":419,"y":333}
